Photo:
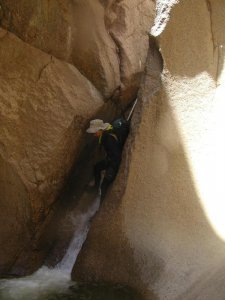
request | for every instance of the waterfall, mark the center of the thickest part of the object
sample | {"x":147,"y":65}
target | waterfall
{"x":51,"y":281}
{"x":82,"y":222}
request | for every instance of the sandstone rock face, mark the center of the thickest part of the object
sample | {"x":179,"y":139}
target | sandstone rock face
{"x":61,"y":60}
{"x":129,"y":23}
{"x":43,"y":24}
{"x":165,"y":236}
{"x":94,"y":52}
{"x":70,"y":30}
{"x":44,"y":107}
{"x":106,"y":40}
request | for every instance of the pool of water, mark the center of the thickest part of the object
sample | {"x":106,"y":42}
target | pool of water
{"x":54,"y":284}
{"x":94,"y":292}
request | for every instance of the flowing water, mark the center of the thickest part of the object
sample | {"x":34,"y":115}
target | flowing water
{"x":46,"y":281}
{"x":55,"y":283}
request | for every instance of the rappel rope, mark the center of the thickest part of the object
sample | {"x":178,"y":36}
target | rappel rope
{"x":132,"y":109}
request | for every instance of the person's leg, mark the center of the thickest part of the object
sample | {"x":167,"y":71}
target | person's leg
{"x":110,"y":175}
{"x":98,"y":168}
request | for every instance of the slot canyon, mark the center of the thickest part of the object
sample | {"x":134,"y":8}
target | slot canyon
{"x":160,"y":229}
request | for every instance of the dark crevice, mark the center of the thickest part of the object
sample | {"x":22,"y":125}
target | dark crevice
{"x":208,"y":4}
{"x":118,"y":47}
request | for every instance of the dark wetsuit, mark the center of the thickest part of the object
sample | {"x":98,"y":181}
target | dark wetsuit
{"x":111,"y":163}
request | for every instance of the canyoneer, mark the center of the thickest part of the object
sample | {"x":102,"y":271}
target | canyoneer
{"x":112,"y":137}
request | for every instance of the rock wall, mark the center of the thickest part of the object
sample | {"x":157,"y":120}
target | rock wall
{"x":106,"y":40}
{"x":45,"y":105}
{"x":59,"y":63}
{"x":165,"y":234}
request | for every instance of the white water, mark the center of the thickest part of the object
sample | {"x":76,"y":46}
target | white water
{"x":46,"y":281}
{"x":36,"y":286}
{"x":81,"y":222}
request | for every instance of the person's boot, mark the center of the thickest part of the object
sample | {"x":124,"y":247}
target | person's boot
{"x":92,"y":186}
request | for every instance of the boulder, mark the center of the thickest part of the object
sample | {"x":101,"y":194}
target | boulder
{"x":106,"y":40}
{"x":70,"y":30}
{"x":45,"y":105}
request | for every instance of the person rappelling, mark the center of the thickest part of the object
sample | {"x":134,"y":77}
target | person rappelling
{"x":112,"y":137}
